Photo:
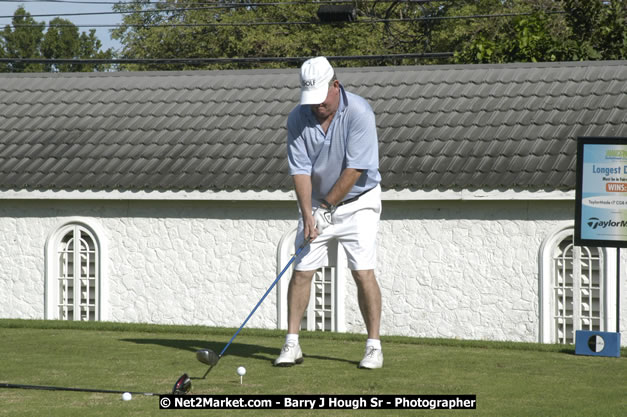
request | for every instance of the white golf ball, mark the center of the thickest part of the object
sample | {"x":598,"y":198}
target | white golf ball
{"x":127,"y":396}
{"x":241,"y":371}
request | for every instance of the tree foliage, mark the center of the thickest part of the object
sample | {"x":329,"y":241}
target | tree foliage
{"x":477,"y":31}
{"x":242,"y":30}
{"x":552,"y":30}
{"x":473,"y":31}
{"x":224,"y":34}
{"x":26,"y":38}
{"x":21,"y":42}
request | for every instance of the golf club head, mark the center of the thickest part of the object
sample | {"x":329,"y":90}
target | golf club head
{"x":207,"y":356}
{"x":182,"y":385}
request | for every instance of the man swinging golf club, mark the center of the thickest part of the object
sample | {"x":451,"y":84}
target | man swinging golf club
{"x":333,"y":159}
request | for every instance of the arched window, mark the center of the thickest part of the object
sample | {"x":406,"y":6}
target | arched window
{"x":326,"y":302}
{"x":577,"y":291}
{"x":74,"y":279}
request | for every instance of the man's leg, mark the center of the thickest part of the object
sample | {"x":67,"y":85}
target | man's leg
{"x":297,"y":301}
{"x":369,"y":297}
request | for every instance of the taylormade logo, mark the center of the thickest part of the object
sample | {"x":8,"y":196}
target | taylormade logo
{"x":594,"y":223}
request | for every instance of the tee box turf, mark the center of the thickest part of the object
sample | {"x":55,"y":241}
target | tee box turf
{"x":597,"y":343}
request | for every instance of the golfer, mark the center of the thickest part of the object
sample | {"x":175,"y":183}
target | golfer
{"x":333,"y":159}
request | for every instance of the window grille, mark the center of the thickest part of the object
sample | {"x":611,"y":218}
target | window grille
{"x":77,"y":276}
{"x":319,"y":313}
{"x":577,"y":290}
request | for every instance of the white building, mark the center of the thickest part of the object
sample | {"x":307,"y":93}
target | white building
{"x":164,"y":198}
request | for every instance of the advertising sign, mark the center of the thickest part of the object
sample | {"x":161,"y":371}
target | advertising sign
{"x":601,"y":195}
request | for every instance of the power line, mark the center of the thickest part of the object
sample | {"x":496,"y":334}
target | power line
{"x":205,"y":61}
{"x":212,"y":6}
{"x":227,"y":5}
{"x":109,"y":13}
{"x":290,"y":23}
{"x":79,"y":2}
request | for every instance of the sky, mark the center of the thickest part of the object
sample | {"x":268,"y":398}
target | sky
{"x":58,"y":7}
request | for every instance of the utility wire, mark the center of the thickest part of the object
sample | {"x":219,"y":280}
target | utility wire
{"x":201,"y":61}
{"x":227,"y":5}
{"x":212,"y":6}
{"x":108,"y":13}
{"x":235,"y":24}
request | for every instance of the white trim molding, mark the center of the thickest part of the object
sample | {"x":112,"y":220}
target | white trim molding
{"x":387,"y":195}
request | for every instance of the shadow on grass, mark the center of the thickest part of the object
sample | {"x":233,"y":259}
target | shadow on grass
{"x":242,"y":350}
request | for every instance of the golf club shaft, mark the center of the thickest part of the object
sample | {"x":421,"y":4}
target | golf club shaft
{"x":298,"y":251}
{"x":53,"y":388}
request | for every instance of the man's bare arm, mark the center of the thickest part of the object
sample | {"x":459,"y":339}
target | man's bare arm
{"x":302,"y":185}
{"x":347,"y":180}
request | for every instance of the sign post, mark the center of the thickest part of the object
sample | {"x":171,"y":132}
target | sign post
{"x":601,"y":220}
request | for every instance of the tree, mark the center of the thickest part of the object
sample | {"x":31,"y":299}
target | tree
{"x":409,"y":27}
{"x":598,"y":26}
{"x":25,"y":38}
{"x":62,"y":41}
{"x":193,"y":29}
{"x":478,"y":31}
{"x":563,"y":30}
{"x":21,"y":42}
{"x":248,"y":30}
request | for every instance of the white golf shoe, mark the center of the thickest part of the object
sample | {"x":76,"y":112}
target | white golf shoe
{"x":291,"y":354}
{"x":373,"y":359}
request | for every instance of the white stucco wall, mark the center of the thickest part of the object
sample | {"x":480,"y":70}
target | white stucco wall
{"x":465,"y":269}
{"x":455,"y":269}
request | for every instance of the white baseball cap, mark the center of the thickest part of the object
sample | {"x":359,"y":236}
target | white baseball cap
{"x":315,"y":75}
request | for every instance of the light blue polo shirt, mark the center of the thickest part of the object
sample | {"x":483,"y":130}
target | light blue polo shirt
{"x":350,"y":142}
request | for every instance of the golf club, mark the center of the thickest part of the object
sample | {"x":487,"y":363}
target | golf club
{"x":182,"y":386}
{"x":208,"y":356}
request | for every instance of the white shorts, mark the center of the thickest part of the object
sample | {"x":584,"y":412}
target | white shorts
{"x":355,"y":226}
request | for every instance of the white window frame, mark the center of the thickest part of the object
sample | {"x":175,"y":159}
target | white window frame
{"x":337,"y":257}
{"x":320,"y":313}
{"x":51,"y":279}
{"x":546,"y":280}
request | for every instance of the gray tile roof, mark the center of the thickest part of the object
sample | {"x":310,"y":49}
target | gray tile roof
{"x":440,"y":127}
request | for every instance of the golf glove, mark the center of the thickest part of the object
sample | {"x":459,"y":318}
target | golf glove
{"x":323,"y":219}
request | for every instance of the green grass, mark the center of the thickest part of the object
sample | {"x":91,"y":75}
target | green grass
{"x":509,"y":379}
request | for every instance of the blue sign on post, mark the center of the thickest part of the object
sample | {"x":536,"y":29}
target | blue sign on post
{"x":601,"y":220}
{"x":601,"y":211}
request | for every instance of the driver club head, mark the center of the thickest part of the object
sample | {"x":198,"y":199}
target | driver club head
{"x":207,"y":356}
{"x":182,"y":385}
